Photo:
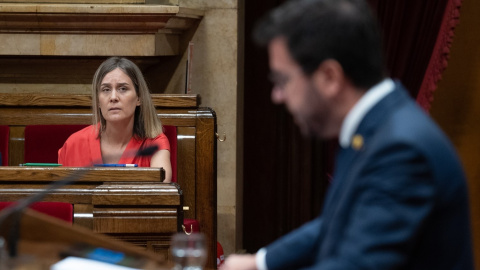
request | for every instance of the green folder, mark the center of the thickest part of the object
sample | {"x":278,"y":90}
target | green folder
{"x":42,"y":164}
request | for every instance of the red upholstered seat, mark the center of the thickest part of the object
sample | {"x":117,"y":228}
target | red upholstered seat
{"x":61,"y":210}
{"x":4,"y":137}
{"x":43,"y":141}
{"x":171,"y":133}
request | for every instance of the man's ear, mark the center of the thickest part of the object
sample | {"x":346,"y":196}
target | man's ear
{"x":329,"y":77}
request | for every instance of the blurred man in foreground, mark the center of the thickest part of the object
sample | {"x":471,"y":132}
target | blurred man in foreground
{"x":399,"y":198}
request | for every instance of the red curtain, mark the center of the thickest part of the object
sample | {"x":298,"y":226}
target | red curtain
{"x":441,"y":51}
{"x":417,"y":36}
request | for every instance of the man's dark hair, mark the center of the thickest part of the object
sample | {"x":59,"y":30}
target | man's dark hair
{"x":317,"y":30}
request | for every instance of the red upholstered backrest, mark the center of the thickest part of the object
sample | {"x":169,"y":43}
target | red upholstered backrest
{"x":4,"y":137}
{"x":61,"y":210}
{"x":43,"y":141}
{"x":171,"y":133}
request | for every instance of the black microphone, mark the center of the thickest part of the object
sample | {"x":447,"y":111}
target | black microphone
{"x":18,"y":208}
{"x":147,"y":151}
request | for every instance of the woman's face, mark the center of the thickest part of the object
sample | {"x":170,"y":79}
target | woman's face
{"x":117,"y":97}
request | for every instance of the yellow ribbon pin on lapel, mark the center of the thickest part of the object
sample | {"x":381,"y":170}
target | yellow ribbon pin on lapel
{"x":357,"y":142}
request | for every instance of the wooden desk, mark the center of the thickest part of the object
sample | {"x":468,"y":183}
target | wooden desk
{"x":128,"y":203}
{"x":44,"y":238}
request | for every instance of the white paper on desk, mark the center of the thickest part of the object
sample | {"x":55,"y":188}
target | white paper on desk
{"x":76,"y":263}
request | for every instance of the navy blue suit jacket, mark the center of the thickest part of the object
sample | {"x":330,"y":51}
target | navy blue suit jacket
{"x":398,"y":202}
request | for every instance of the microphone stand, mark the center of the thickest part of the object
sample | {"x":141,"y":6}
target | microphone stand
{"x":16,"y":210}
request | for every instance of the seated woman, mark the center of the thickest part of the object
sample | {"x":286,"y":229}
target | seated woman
{"x":125,"y":121}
